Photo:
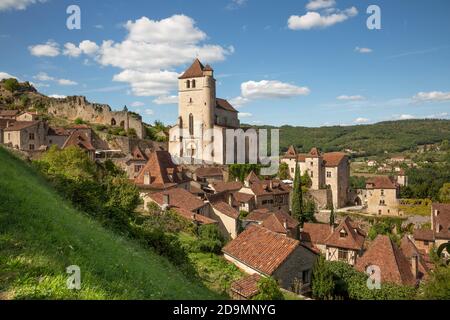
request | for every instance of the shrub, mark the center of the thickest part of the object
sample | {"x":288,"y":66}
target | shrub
{"x":11,"y":84}
{"x":322,"y":280}
{"x":268,"y":290}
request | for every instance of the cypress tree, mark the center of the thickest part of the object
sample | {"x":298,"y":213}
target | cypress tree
{"x":332,"y":215}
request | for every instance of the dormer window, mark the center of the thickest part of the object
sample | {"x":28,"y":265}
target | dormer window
{"x":342,"y":233}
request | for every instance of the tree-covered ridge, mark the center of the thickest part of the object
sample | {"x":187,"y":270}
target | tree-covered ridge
{"x":391,"y":136}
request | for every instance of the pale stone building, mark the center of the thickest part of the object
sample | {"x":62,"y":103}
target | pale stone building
{"x":328,"y":171}
{"x":25,"y":135}
{"x":199,"y":135}
{"x":382,"y":196}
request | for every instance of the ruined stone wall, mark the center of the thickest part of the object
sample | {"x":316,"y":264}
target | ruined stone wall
{"x":78,"y":107}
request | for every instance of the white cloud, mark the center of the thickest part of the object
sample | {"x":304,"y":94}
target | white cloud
{"x":361,"y":120}
{"x":137,"y":104}
{"x":48,"y":49}
{"x":271,"y":89}
{"x":363,"y":50}
{"x":5,"y":75}
{"x":66,"y":82}
{"x":166,"y":100}
{"x":316,"y":20}
{"x":432,"y":96}
{"x":148,"y":112}
{"x":71,"y":50}
{"x":442,"y":115}
{"x":235,"y":4}
{"x":57,"y":96}
{"x":404,"y":117}
{"x":350,"y":98}
{"x":314,"y":5}
{"x":151,"y":51}
{"x":245,"y":114}
{"x":238,"y":101}
{"x":17,"y":4}
{"x":98,"y":26}
{"x":42,"y":76}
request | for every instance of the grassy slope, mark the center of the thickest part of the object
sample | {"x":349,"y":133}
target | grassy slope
{"x":41,"y":235}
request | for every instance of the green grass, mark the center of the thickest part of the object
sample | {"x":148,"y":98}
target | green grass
{"x":41,"y":235}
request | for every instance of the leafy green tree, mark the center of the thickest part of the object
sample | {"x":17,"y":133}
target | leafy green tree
{"x":445,"y":145}
{"x":437,"y":287}
{"x":297,"y":197}
{"x":11,"y":84}
{"x":241,"y":171}
{"x":322,"y":280}
{"x":283,"y":171}
{"x":444,"y":193}
{"x":306,"y":182}
{"x":268,"y":290}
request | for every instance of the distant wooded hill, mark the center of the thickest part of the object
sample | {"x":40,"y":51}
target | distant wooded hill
{"x":366,"y":140}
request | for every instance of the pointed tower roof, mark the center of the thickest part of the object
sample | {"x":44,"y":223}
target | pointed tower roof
{"x":252,"y":177}
{"x":346,"y":236}
{"x":194,"y":71}
{"x":314,"y":152}
{"x":291,"y":151}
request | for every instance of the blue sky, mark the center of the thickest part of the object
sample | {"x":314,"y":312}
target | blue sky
{"x":309,"y":63}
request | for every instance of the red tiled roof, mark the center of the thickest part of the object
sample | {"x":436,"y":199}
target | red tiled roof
{"x":380,"y":182}
{"x":178,"y":198}
{"x":291,"y":151}
{"x":79,"y":139}
{"x":409,"y":250}
{"x":252,"y":177}
{"x":258,"y":215}
{"x":261,"y":249}
{"x":441,"y":220}
{"x":137,"y":154}
{"x":333,"y":159}
{"x":6,"y":122}
{"x":163,"y":172}
{"x":261,"y":188}
{"x":220,"y":186}
{"x":9,"y":113}
{"x":225,"y":208}
{"x":224,"y":104}
{"x":194,"y":71}
{"x":58,"y":131}
{"x":275,"y":222}
{"x":316,"y":233}
{"x":205,"y":172}
{"x":352,"y":239}
{"x":20,"y":125}
{"x":314,"y":153}
{"x":247,"y":287}
{"x":189,"y":215}
{"x":242,"y":197}
{"x":424,"y":234}
{"x":385,"y":254}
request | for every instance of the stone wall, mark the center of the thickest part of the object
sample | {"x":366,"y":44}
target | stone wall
{"x":78,"y":107}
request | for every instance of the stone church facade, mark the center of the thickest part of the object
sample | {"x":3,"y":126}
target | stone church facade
{"x":199,"y":135}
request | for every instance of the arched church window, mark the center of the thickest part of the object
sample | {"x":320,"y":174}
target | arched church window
{"x":193,"y":83}
{"x":191,"y":124}
{"x":188,"y":84}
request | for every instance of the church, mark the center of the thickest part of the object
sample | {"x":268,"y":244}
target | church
{"x":199,"y":135}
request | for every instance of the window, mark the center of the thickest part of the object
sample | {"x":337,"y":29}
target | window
{"x":305,"y":276}
{"x":292,"y":170}
{"x":382,"y":192}
{"x":382,"y":203}
{"x":137,"y":168}
{"x":9,"y":136}
{"x":342,"y":255}
{"x":190,"y":100}
{"x":312,"y":174}
{"x":188,"y":84}
{"x":191,"y":124}
{"x":193,"y":83}
{"x":312,"y":164}
{"x":342,"y":233}
{"x":31,"y":136}
{"x":328,"y":174}
{"x":32,"y":147}
{"x":426,"y":242}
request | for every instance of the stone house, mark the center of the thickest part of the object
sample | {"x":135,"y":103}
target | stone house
{"x":25,"y":135}
{"x":328,"y":171}
{"x":426,"y":239}
{"x":382,"y":196}
{"x":257,"y":250}
{"x":394,"y":266}
{"x":207,"y":175}
{"x":276,"y":221}
{"x":342,"y":243}
{"x":82,"y":140}
{"x":27,"y":116}
{"x":57,"y":136}
{"x":226,"y":216}
{"x":134,"y":162}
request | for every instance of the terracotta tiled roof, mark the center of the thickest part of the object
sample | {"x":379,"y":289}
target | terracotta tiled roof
{"x":316,"y":233}
{"x":252,"y":177}
{"x":261,"y":249}
{"x":20,"y":125}
{"x":247,"y":287}
{"x":137,"y":154}
{"x":258,"y":215}
{"x":394,"y":266}
{"x":291,"y":151}
{"x":351,"y":239}
{"x":242,"y":197}
{"x":225,"y":208}
{"x":424,"y":234}
{"x":205,"y":172}
{"x":178,"y":198}
{"x":409,"y":250}
{"x":6,"y":122}
{"x":275,"y":222}
{"x":333,"y":159}
{"x":262,"y":188}
{"x":314,"y":153}
{"x":189,"y":215}
{"x":58,"y":131}
{"x":441,"y":220}
{"x":380,"y":182}
{"x":224,"y":104}
{"x":194,"y":71}
{"x":79,"y":139}
{"x":9,"y":113}
{"x":162,"y":171}
{"x":220,"y":186}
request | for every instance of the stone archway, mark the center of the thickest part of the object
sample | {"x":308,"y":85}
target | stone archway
{"x":113,"y":122}
{"x":358,"y":201}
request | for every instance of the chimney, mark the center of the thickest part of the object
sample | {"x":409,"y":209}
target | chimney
{"x":300,"y":231}
{"x":271,"y":184}
{"x":415,"y":265}
{"x":285,"y":224}
{"x":230,"y":199}
{"x":166,"y":199}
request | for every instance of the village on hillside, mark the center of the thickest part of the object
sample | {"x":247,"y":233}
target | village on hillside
{"x":322,"y":212}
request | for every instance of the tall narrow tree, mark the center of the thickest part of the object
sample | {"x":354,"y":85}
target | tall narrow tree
{"x":332,"y":215}
{"x":297,"y":196}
